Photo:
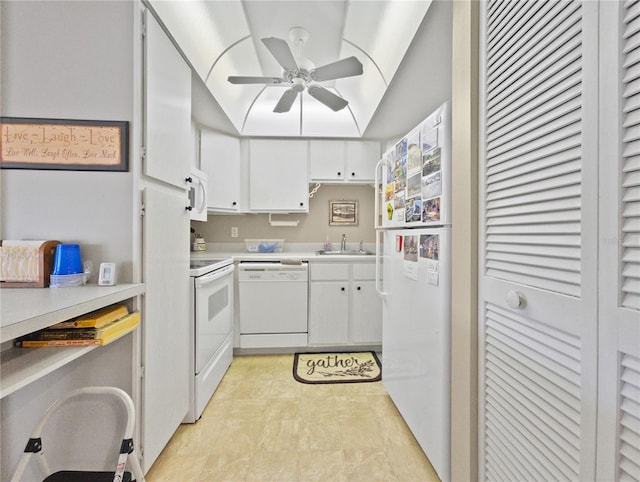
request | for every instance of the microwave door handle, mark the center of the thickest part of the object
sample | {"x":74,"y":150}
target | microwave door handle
{"x":202,"y":197}
{"x":205,"y":280}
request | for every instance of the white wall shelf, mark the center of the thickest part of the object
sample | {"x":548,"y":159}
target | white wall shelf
{"x":24,"y":311}
{"x":22,"y":366}
{"x":27,"y":310}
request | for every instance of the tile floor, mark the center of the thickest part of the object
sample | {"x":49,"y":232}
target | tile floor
{"x":262,"y":425}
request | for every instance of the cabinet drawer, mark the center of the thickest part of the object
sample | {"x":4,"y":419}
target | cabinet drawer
{"x":364,"y":271}
{"x":329,"y":271}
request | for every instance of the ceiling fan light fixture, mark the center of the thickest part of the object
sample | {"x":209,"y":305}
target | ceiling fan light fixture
{"x":300,"y":73}
{"x":298,"y":84}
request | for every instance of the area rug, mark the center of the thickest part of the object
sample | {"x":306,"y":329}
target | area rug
{"x":351,"y":367}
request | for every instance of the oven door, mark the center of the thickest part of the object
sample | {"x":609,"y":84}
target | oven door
{"x":213,"y":313}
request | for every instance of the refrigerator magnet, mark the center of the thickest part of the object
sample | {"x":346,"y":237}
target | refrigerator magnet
{"x":398,"y":243}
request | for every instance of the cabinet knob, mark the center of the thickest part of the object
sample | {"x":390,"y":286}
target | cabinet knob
{"x":516,"y":300}
{"x":301,"y":204}
{"x":358,"y":288}
{"x":342,"y":288}
{"x":234,"y":203}
{"x":339,"y":173}
{"x":353,"y":173}
{"x":189,"y":179}
{"x":188,"y":208}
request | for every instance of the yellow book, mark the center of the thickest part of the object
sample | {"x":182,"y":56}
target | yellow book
{"x":119,"y":328}
{"x":103,"y":336}
{"x":48,"y":343}
{"x":95,"y":319}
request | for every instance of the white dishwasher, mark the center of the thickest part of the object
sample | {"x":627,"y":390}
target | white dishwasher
{"x":273,"y":300}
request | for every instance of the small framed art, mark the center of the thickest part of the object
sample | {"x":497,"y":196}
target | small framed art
{"x":343,"y":213}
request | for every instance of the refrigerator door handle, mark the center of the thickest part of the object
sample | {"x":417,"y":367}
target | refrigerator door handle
{"x":377,"y":221}
{"x":379,"y":284}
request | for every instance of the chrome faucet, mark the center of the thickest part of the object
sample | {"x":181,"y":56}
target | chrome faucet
{"x":343,"y":243}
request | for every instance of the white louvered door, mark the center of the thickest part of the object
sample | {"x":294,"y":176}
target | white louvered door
{"x":538,"y":215}
{"x":619,"y":314}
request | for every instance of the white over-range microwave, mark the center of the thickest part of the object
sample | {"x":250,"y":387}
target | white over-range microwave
{"x":198,"y":195}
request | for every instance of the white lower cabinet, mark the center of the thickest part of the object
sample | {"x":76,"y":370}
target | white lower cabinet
{"x":365,"y":325}
{"x":344,"y":308}
{"x":329,"y":312}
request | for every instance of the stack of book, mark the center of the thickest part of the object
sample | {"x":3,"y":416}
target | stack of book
{"x":97,"y":328}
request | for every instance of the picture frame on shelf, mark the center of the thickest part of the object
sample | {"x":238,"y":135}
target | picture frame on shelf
{"x":343,"y":213}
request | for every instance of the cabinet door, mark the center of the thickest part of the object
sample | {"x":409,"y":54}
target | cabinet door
{"x":326,"y":160}
{"x":538,"y":293}
{"x":618,"y":452}
{"x":362,"y":157}
{"x":278,"y":176}
{"x":166,"y":320}
{"x":220,"y":159}
{"x":328,"y":313}
{"x":366,"y":313}
{"x":167,"y":109}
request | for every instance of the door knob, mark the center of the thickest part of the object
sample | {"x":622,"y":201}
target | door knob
{"x":516,"y":300}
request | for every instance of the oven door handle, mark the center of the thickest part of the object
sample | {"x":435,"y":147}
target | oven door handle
{"x":203,"y":281}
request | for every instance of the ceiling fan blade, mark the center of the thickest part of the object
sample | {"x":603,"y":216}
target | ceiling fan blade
{"x":234,"y":79}
{"x":328,"y":98}
{"x":281,"y":51}
{"x":348,"y":67}
{"x":286,"y":101}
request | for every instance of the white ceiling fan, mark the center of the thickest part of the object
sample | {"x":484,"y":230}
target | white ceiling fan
{"x":300,"y":73}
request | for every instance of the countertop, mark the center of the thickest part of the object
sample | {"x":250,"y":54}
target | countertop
{"x":303,"y":256}
{"x":303,"y":252}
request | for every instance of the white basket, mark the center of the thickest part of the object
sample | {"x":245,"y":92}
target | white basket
{"x":264,"y":245}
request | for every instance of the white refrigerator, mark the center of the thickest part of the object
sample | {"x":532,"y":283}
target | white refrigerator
{"x":413,"y":267}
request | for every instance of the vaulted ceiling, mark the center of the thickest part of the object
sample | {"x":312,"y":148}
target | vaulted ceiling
{"x":404,"y":47}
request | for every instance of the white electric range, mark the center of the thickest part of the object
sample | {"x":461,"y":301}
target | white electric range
{"x":211,"y":291}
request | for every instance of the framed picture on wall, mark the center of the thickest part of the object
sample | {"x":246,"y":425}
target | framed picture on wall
{"x":343,"y":213}
{"x":64,"y":144}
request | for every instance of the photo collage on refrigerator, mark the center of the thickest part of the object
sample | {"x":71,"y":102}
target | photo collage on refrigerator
{"x":413,"y":187}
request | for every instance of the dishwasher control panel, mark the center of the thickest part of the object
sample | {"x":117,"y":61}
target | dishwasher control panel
{"x":268,"y":271}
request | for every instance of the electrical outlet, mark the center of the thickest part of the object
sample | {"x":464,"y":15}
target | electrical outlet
{"x":234,"y":232}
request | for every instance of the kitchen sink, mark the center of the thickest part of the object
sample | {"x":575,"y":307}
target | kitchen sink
{"x":355,"y":252}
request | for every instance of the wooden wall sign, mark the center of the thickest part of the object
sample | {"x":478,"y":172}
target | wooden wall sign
{"x":78,"y":145}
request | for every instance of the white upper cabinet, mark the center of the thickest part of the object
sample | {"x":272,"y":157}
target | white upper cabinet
{"x":167,"y":109}
{"x":362,"y":157}
{"x":326,"y":160}
{"x":278,"y":176}
{"x":220,"y":159}
{"x":343,"y":161}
